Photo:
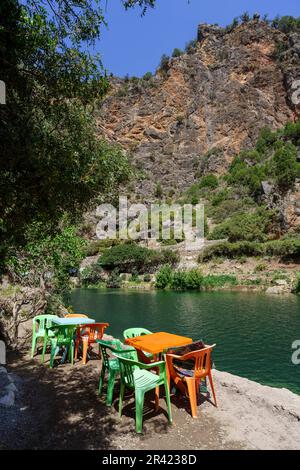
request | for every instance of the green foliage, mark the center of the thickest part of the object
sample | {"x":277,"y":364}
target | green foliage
{"x":164,"y":64}
{"x":245,"y":17}
{"x":129,"y":256}
{"x":92,"y":275}
{"x":285,"y":166}
{"x":297,"y":285}
{"x":177,"y":52}
{"x":191,"y":280}
{"x":158,"y":191}
{"x":147,"y":76}
{"x":292,"y":132}
{"x":209,"y":181}
{"x":46,"y":259}
{"x":287,"y":24}
{"x":147,"y":277}
{"x":250,"y":226}
{"x":214,"y":281}
{"x":288,"y":248}
{"x":114,"y":280}
{"x":163,"y":277}
{"x":191,"y":46}
{"x":54,"y":163}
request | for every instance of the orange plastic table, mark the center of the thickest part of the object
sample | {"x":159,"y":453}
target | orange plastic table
{"x":156,"y":343}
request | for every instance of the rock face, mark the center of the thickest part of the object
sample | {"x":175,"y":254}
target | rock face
{"x":193,"y":116}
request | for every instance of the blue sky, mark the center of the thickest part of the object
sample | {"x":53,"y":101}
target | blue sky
{"x":133,"y":45}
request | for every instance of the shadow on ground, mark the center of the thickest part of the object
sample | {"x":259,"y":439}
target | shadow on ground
{"x":60,"y":408}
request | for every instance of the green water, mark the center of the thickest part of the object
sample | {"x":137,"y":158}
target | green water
{"x":253,"y":332}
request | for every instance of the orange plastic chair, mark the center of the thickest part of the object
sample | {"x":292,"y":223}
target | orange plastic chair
{"x":75,"y":315}
{"x":190,"y":385}
{"x":87,"y":335}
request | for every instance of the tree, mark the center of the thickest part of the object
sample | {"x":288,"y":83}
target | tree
{"x":176,"y":52}
{"x":51,"y":160}
{"x":285,"y":166}
{"x":40,"y":272}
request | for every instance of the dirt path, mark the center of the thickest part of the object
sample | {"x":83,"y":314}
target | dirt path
{"x":60,"y":409}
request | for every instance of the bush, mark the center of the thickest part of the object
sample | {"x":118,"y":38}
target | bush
{"x":186,"y":280}
{"x":147,"y":278}
{"x":129,"y":257}
{"x":164,"y":64}
{"x":212,"y":281}
{"x":285,"y":166}
{"x":92,"y":275}
{"x":163,"y":277}
{"x":114,"y":281}
{"x":177,"y":52}
{"x":147,"y":76}
{"x":288,"y":248}
{"x":297,"y":286}
{"x":158,"y":191}
{"x":209,"y":181}
{"x":251,"y":226}
{"x":191,"y":46}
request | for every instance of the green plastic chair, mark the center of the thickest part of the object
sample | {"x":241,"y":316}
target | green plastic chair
{"x":40,"y":330}
{"x":132,"y":333}
{"x":112,"y":365}
{"x":136,"y":376}
{"x":64,"y":336}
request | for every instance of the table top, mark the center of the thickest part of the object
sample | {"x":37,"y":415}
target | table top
{"x":72,"y":321}
{"x":155,"y":343}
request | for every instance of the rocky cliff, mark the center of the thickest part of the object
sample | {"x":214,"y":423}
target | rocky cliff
{"x":201,"y":108}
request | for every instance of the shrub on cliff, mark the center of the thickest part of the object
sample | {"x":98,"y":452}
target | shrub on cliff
{"x":163,"y":277}
{"x":285,"y":166}
{"x":250,"y":226}
{"x":177,"y":52}
{"x":288,"y":248}
{"x":92,"y":275}
{"x":129,"y":256}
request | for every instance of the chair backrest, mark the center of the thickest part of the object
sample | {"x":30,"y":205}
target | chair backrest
{"x":39,"y":322}
{"x":116,"y":347}
{"x":133,"y":332}
{"x":75,"y":315}
{"x":94,"y":331}
{"x":127,"y":367}
{"x":202,"y":359}
{"x":63,"y":333}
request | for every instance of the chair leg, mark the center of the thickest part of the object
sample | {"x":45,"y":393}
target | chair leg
{"x":191,"y":385}
{"x":212,"y":387}
{"x":84,"y":350}
{"x":139,"y":405}
{"x":44,"y":348}
{"x":156,"y":398}
{"x":76,"y":348}
{"x":168,"y":400}
{"x":33,"y":346}
{"x":72,"y":352}
{"x":101,"y":380}
{"x":110,"y":387}
{"x":52,"y":355}
{"x":122,"y":390}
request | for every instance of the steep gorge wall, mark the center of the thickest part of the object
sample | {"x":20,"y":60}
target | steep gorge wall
{"x":193,"y":118}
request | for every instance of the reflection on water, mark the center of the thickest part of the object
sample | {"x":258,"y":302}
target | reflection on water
{"x":253,"y":332}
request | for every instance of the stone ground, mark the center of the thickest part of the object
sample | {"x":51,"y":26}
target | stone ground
{"x":60,"y":409}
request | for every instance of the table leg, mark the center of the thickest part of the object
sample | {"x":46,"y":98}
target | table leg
{"x":155,"y":358}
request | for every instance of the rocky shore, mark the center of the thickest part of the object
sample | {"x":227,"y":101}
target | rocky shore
{"x":60,"y":408}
